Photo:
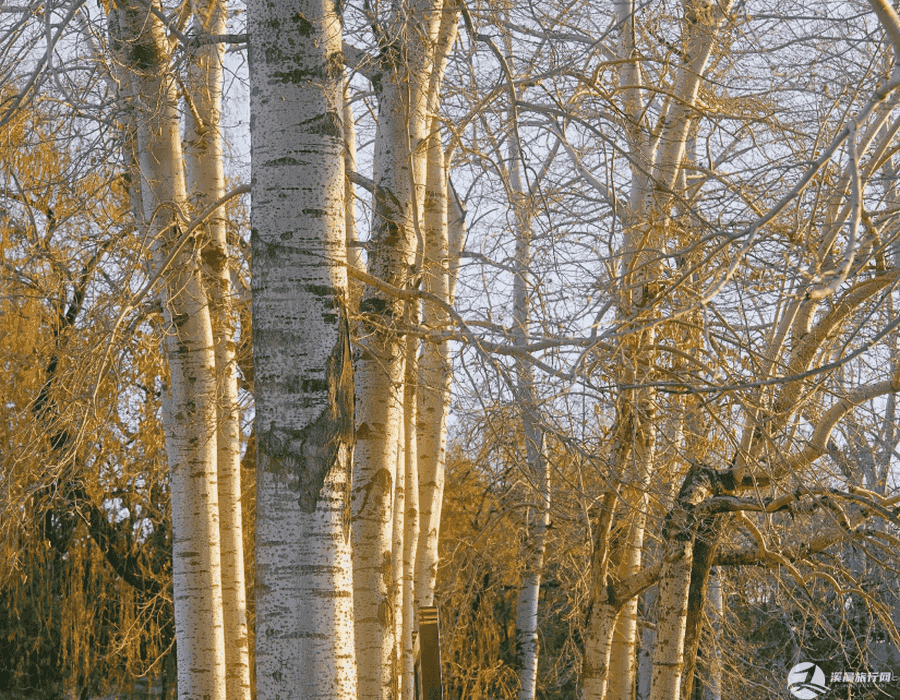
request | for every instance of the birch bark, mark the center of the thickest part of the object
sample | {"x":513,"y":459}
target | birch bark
{"x":656,"y":167}
{"x":206,"y":184}
{"x":635,"y":408}
{"x":191,"y":433}
{"x":702,"y":27}
{"x":409,"y":521}
{"x":536,"y":465}
{"x":399,"y":176}
{"x":303,"y":369}
{"x":444,"y":223}
{"x":602,"y":616}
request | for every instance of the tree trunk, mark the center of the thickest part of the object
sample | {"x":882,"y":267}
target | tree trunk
{"x":444,"y":224}
{"x":535,"y":466}
{"x":191,"y":430}
{"x":713,"y":691}
{"x":394,"y":249}
{"x":597,"y":649}
{"x":684,"y":538}
{"x":303,"y":370}
{"x":206,"y":184}
{"x":601,"y":622}
{"x":648,"y":644}
{"x":668,"y":654}
{"x":410,"y":526}
{"x":623,"y":657}
{"x":379,"y":399}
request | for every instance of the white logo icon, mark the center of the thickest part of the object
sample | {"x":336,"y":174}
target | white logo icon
{"x":807,"y":681}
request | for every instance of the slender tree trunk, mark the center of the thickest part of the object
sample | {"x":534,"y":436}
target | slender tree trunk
{"x":206,"y":184}
{"x":623,"y":658}
{"x":399,"y":536}
{"x":354,"y":249}
{"x":637,"y":450}
{"x":410,"y":526}
{"x":648,"y":644}
{"x":636,"y":438}
{"x":536,"y":465}
{"x":668,"y":654}
{"x":688,"y":547}
{"x":713,"y":691}
{"x":191,"y":430}
{"x":444,"y":222}
{"x":394,"y":248}
{"x":601,"y":620}
{"x":650,"y":204}
{"x":379,"y":399}
{"x":433,"y":388}
{"x":303,"y":368}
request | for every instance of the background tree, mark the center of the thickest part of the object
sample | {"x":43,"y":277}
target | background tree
{"x":681,"y":247}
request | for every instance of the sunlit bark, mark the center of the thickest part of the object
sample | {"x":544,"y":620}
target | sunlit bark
{"x":408,"y":471}
{"x":394,"y":249}
{"x":601,"y":622}
{"x":303,"y":370}
{"x":444,"y":225}
{"x":189,"y":344}
{"x":206,"y":184}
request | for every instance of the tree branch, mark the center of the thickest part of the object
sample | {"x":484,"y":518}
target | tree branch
{"x":890,"y":22}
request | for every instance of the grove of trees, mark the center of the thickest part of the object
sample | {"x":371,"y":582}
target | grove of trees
{"x":577,"y":321}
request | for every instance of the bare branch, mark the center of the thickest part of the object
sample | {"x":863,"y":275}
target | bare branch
{"x":890,"y":22}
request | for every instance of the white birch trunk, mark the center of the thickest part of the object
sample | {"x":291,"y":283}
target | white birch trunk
{"x":713,"y":691}
{"x":444,"y":222}
{"x":631,"y":84}
{"x":536,"y":466}
{"x":668,"y":653}
{"x":637,"y":445}
{"x":702,"y":24}
{"x":597,"y":650}
{"x":379,"y":406}
{"x":191,"y":430}
{"x":399,"y":176}
{"x":354,"y":249}
{"x":679,"y":536}
{"x":645,"y":656}
{"x":379,"y":402}
{"x":126,"y":119}
{"x":410,"y":522}
{"x":637,"y":470}
{"x":529,"y":594}
{"x":303,"y":368}
{"x":401,"y":536}
{"x":623,"y":658}
{"x":645,"y":235}
{"x":703,"y":21}
{"x":399,"y":515}
{"x":206,"y":184}
{"x":601,"y":621}
{"x":433,"y":389}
